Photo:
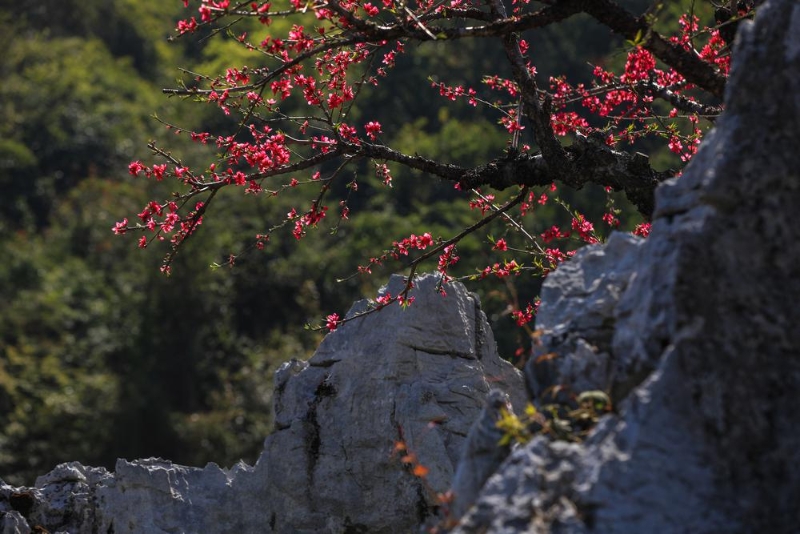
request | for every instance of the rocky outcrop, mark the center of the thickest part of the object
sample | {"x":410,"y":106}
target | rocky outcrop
{"x":705,"y":348}
{"x":419,"y":375}
{"x":577,"y":321}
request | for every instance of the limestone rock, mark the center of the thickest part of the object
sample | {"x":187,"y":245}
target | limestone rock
{"x":150,"y":495}
{"x":419,"y":375}
{"x":12,"y":522}
{"x":577,"y":317}
{"x":707,"y":440}
{"x":481,"y":454}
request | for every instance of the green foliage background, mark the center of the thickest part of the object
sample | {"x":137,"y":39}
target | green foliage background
{"x":100,"y":355}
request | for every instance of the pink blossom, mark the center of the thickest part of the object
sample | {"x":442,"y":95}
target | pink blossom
{"x":373,"y":129}
{"x":120,"y":227}
{"x":332,"y":322}
{"x":135,"y":168}
{"x":553,"y":233}
{"x":642,"y":230}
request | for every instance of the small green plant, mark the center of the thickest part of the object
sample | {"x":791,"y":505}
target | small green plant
{"x":571,"y":421}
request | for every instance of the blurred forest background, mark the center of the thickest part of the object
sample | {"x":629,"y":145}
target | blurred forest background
{"x":102,"y":356}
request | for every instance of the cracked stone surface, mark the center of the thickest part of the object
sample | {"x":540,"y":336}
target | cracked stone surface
{"x":420,"y":375}
{"x":577,"y":320}
{"x":481,"y":454}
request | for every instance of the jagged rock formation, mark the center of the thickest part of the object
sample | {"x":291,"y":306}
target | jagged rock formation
{"x":419,"y":375}
{"x":706,"y":344}
{"x":577,"y":323}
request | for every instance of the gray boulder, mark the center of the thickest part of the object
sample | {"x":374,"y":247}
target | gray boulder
{"x":706,"y":340}
{"x":420,"y":376}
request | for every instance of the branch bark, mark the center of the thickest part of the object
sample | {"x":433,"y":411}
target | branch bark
{"x":589,"y":161}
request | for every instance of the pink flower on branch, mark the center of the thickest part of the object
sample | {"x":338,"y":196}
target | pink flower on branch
{"x":447,"y":258}
{"x":584,"y":229}
{"x":135,"y":168}
{"x":642,"y":230}
{"x":554,"y":232}
{"x":610,"y":219}
{"x":332,"y":322}
{"x":373,"y":129}
{"x":120,"y":227}
{"x":523,"y":317}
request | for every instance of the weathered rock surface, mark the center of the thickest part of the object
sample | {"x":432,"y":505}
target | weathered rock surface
{"x":481,"y":454}
{"x":577,"y":321}
{"x":420,"y":375}
{"x":706,"y":340}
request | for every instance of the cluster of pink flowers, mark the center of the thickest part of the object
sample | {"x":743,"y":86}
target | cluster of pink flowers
{"x":502,"y":270}
{"x":511,"y":122}
{"x":419,"y":242}
{"x":483,"y":204}
{"x":626,"y":99}
{"x":611,"y":219}
{"x":584,"y":229}
{"x":310,"y":219}
{"x":382,"y":171}
{"x":523,"y":317}
{"x":332,"y":322}
{"x":454,"y":93}
{"x":171,"y":222}
{"x":554,"y":232}
{"x":373,"y":129}
{"x":565,"y":122}
{"x":497,"y":83}
{"x":500,"y":245}
{"x":447,"y":258}
{"x":156,"y":171}
{"x":642,"y":230}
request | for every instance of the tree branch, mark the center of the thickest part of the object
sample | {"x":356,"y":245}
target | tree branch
{"x":587,"y":160}
{"x":590,"y":161}
{"x":677,"y":100}
{"x":537,"y":112}
{"x":442,"y":170}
